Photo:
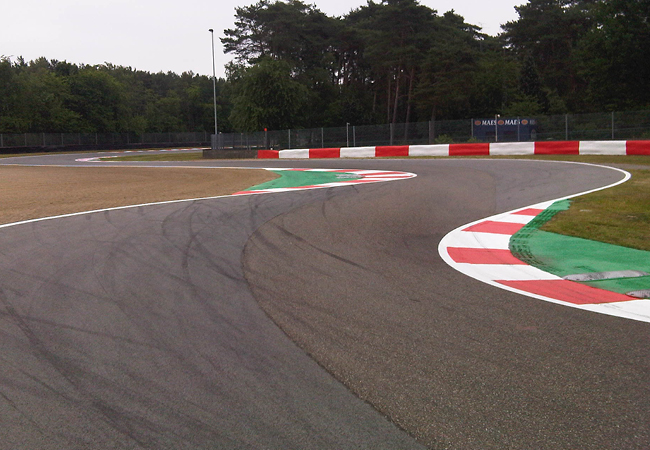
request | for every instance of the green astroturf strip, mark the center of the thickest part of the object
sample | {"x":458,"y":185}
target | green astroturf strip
{"x":298,"y":178}
{"x":565,"y":255}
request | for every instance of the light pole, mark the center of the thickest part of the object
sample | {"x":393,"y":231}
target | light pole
{"x":214,"y":92}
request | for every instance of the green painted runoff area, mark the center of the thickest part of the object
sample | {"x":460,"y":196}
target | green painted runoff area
{"x":565,"y":255}
{"x":299,"y":178}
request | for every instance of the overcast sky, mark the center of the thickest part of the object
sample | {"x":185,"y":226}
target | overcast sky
{"x":166,"y":35}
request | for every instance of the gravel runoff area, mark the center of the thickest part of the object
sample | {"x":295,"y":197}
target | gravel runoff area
{"x":28,"y":192}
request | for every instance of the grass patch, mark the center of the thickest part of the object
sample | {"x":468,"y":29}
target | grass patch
{"x":618,"y":215}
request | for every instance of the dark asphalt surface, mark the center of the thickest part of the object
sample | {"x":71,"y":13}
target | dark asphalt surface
{"x":142,"y":328}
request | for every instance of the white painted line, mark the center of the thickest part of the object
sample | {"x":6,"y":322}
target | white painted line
{"x":634,"y":309}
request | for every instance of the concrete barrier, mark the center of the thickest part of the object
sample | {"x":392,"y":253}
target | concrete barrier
{"x":470,"y":149}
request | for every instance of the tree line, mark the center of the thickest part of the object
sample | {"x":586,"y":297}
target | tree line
{"x":389,"y":61}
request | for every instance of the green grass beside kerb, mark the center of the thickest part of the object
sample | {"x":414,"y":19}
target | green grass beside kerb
{"x":619,"y":215}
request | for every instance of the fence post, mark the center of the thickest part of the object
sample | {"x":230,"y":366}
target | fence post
{"x":566,"y":127}
{"x":354,"y":135}
{"x":392,"y":132}
{"x":289,"y":131}
{"x":347,"y":134}
{"x":432,"y":131}
{"x":612,"y":125}
{"x":1,"y":141}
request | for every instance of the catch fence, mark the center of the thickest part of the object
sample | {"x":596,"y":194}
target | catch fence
{"x":570,"y":127}
{"x":626,"y":125}
{"x":100,"y":140}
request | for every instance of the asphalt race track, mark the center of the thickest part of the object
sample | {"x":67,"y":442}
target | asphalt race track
{"x":320,"y":319}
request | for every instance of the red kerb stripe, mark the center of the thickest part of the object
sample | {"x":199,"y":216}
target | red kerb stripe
{"x":493,"y":227}
{"x":482,"y":256}
{"x":567,"y":291}
{"x":529,"y":212}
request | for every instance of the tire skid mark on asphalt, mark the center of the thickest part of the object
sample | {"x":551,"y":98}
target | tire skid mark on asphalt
{"x":479,"y":249}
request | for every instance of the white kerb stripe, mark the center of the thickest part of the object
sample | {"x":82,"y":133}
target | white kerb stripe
{"x":510,"y":272}
{"x":514,"y":218}
{"x":480,"y":240}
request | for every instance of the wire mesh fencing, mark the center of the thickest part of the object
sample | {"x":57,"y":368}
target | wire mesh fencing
{"x":597,"y":126}
{"x":626,"y":125}
{"x":53,"y":140}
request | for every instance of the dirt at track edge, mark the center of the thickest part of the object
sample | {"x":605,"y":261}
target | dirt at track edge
{"x":35,"y":192}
